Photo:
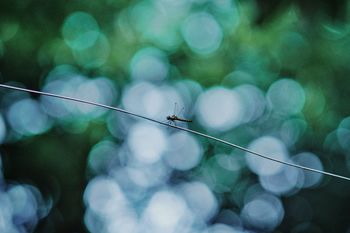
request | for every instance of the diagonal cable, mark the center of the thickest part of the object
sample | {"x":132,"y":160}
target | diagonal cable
{"x":179,"y":128}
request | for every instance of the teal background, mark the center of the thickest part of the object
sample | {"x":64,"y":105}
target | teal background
{"x":286,"y":63}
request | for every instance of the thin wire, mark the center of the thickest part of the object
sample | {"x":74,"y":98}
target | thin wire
{"x":177,"y":127}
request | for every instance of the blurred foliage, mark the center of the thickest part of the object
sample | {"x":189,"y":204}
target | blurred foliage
{"x":324,"y":10}
{"x":257,"y":43}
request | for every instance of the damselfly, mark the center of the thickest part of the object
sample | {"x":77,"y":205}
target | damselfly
{"x":173,"y":118}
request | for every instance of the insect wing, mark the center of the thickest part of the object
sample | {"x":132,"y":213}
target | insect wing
{"x":181,"y":112}
{"x":175,"y":108}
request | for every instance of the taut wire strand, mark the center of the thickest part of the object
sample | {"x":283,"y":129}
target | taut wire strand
{"x":179,"y":128}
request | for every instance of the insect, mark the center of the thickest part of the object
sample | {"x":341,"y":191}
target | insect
{"x":173,"y":118}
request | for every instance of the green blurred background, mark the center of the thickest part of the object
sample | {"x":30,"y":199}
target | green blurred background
{"x":281,"y":67}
